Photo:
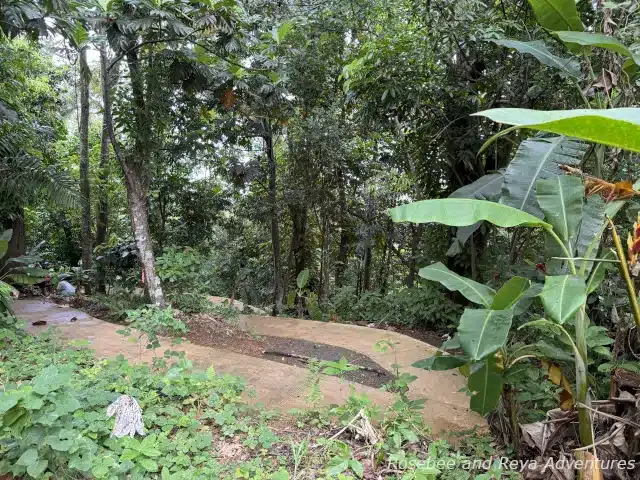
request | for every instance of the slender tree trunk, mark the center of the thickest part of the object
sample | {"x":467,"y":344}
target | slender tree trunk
{"x":85,"y":188}
{"x":17,"y":242}
{"x":366,"y":271}
{"x":139,"y":211}
{"x":102,"y":219}
{"x":278,"y":290}
{"x":325,"y":259}
{"x":343,"y":250}
{"x":298,"y":237}
{"x":103,"y":200}
{"x":137,"y":184}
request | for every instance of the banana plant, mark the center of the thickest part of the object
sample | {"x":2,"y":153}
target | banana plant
{"x":483,"y":330}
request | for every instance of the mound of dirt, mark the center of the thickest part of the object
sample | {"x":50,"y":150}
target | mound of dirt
{"x":213,"y":331}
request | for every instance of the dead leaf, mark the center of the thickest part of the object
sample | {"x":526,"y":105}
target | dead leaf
{"x":557,"y":377}
{"x":592,"y":467}
{"x":606,"y":80}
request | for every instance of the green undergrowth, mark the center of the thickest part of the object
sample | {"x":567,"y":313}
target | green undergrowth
{"x":53,"y":399}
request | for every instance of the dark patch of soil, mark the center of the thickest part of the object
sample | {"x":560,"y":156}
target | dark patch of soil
{"x":372,"y":375}
{"x":213,"y":331}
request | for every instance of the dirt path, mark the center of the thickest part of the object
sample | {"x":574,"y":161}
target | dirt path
{"x":278,"y":385}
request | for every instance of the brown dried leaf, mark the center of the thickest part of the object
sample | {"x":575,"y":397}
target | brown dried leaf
{"x":592,"y":467}
{"x":606,"y":80}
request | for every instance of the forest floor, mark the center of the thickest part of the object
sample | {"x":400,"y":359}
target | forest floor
{"x":279,"y":385}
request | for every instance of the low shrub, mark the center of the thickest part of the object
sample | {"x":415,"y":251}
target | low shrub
{"x":420,"y":306}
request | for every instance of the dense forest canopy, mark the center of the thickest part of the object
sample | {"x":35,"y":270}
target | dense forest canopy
{"x":342,"y":160}
{"x":273,"y":136}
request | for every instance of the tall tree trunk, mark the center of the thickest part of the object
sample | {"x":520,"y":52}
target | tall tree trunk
{"x":139,"y":211}
{"x":17,"y":242}
{"x":85,"y":188}
{"x":278,"y":290}
{"x":343,"y":250}
{"x":325,"y":258}
{"x":298,"y":237}
{"x":137,"y":184}
{"x":366,"y":270}
{"x":102,"y":219}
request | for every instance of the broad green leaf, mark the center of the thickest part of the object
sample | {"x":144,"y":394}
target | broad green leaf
{"x":562,"y":296}
{"x":441,"y":362}
{"x":26,"y":259}
{"x":557,"y":14}
{"x":523,"y":304}
{"x":357,"y":467}
{"x":482,"y":332}
{"x":598,"y":40}
{"x":591,"y":229}
{"x":59,"y":444}
{"x":303,"y":278}
{"x":485,"y":384}
{"x":560,"y":199}
{"x":36,"y":469}
{"x":279,"y":33}
{"x":129,"y":454}
{"x":509,"y":294}
{"x":4,"y":242}
{"x":537,"y":158}
{"x":8,"y":401}
{"x":486,"y":187}
{"x":554,"y":352}
{"x":29,"y":457}
{"x":616,"y":127}
{"x":148,"y":464}
{"x":600,"y":269}
{"x":27,"y":275}
{"x":462,"y":235}
{"x":568,"y":67}
{"x":460,"y":212}
{"x":473,"y":291}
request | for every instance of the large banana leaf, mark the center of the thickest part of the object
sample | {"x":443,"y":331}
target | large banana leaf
{"x":482,"y":332}
{"x":473,"y":291}
{"x":460,"y":212}
{"x":617,"y":127}
{"x":509,"y":294}
{"x":537,"y":158}
{"x":557,"y":14}
{"x":568,"y":67}
{"x":598,"y":272}
{"x":462,"y":235}
{"x":562,"y":296}
{"x":441,"y":362}
{"x":26,"y":275}
{"x":487,"y":187}
{"x":591,"y":228}
{"x":485,"y":384}
{"x":598,"y":40}
{"x":560,"y":198}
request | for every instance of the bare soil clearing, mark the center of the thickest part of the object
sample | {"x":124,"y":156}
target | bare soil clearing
{"x":277,"y":385}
